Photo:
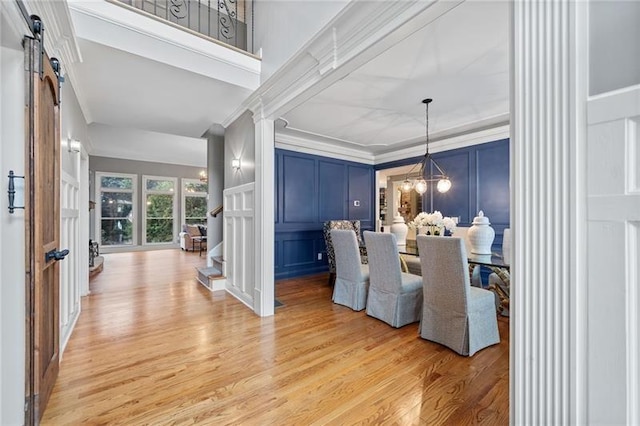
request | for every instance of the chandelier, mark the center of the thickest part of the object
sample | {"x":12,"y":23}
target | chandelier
{"x":421,"y":184}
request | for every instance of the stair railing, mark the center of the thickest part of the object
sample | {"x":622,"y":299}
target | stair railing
{"x":215,"y":212}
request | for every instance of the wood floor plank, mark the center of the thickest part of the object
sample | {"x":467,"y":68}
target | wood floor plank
{"x":154,"y":347}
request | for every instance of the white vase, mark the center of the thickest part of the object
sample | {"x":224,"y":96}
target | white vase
{"x":481,"y":235}
{"x":399,"y":229}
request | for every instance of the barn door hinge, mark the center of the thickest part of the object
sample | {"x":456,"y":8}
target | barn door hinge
{"x":37,"y":28}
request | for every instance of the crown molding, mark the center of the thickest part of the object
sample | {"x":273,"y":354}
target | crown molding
{"x":316,"y":147}
{"x":357,"y":34}
{"x":447,"y":144}
{"x":309,"y":144}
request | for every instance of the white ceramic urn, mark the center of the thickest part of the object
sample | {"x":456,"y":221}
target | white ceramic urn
{"x":399,"y":229}
{"x":481,"y":235}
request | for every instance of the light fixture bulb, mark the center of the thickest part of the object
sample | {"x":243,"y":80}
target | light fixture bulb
{"x":444,"y":185}
{"x":420,"y":186}
{"x":406,"y":186}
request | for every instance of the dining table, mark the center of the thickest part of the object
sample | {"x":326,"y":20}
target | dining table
{"x":497,"y":262}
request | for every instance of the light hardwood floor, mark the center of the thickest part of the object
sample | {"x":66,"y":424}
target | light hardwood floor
{"x":154,"y":347}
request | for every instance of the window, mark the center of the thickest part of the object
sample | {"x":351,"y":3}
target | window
{"x":116,"y":195}
{"x":194,"y":202}
{"x":159,"y":210}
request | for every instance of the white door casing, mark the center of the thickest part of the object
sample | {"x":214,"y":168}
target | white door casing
{"x":613,"y":238}
{"x":71,"y":280}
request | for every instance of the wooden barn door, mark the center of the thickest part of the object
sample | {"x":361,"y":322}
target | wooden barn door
{"x":42,"y":203}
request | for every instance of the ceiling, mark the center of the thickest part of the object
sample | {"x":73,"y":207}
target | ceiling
{"x":460,"y":60}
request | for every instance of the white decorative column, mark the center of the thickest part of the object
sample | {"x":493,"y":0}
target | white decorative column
{"x":264,"y":293}
{"x":549,"y":71}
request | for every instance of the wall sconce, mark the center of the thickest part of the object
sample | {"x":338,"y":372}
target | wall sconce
{"x":203,"y":176}
{"x":74,"y":145}
{"x":235,"y":163}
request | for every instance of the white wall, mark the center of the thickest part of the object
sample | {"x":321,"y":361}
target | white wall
{"x":239,"y":142}
{"x":614,"y":39}
{"x":12,"y":240}
{"x":283,"y":27}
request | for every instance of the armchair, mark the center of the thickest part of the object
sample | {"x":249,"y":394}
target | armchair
{"x":192,"y":234}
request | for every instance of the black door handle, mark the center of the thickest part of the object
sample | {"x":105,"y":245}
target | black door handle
{"x":56,"y":255}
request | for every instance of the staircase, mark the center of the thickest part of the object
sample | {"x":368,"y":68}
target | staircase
{"x":212,"y":276}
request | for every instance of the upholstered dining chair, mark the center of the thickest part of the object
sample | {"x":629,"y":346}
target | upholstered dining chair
{"x":353,"y":225}
{"x":352,"y":277}
{"x":474,"y":270}
{"x":500,"y":282}
{"x":394,"y":297}
{"x":454,"y":313}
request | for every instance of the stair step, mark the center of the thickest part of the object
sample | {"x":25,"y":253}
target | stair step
{"x":206,"y":276}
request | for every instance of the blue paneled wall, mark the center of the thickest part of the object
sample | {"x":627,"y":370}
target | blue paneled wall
{"x":309,"y":191}
{"x":312,"y":189}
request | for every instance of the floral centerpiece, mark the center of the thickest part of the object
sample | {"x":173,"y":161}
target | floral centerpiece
{"x":432,"y":223}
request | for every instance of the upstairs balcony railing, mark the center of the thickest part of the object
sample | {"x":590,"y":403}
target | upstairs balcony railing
{"x":222,"y":20}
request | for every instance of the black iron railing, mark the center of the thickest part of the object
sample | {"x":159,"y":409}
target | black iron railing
{"x":223,"y":20}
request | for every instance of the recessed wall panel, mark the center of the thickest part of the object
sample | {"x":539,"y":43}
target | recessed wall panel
{"x":299,"y":190}
{"x":360,"y":192}
{"x":456,"y":201}
{"x":331,"y":191}
{"x":492,"y":169}
{"x":298,"y":252}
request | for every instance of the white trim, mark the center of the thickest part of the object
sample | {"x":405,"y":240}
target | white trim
{"x":633,"y":323}
{"x":548,"y":81}
{"x":239,"y":230}
{"x":98,"y":201}
{"x":146,"y":192}
{"x":447,"y":144}
{"x":315,"y":147}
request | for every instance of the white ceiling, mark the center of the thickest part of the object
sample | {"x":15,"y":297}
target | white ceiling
{"x":130,"y":91}
{"x":460,"y":60}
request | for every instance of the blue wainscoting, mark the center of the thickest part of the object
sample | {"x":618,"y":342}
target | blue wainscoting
{"x":310,"y":190}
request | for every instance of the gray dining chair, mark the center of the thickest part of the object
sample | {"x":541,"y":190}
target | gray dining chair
{"x":474,"y":270}
{"x":394,"y":297}
{"x":454,"y":313}
{"x":352,"y":277}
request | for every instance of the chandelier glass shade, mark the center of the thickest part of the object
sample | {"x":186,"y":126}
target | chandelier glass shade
{"x":422,"y":183}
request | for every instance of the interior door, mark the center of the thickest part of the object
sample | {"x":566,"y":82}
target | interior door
{"x":42,"y":203}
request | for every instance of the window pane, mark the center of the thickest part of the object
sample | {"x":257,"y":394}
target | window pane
{"x":116,"y":204}
{"x":159,"y":185}
{"x":116,"y":232}
{"x":160,"y":230}
{"x":196,"y":187}
{"x":116,"y":182}
{"x":195,"y":207}
{"x":197,"y":221}
{"x":159,"y":206}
